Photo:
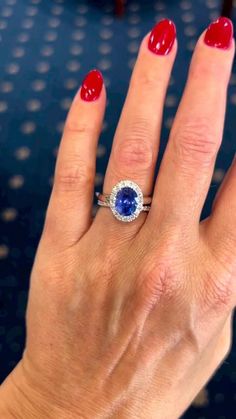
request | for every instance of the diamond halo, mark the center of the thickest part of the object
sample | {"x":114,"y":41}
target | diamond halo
{"x":139,"y":200}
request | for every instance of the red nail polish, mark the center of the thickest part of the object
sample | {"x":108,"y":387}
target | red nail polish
{"x":219,"y":34}
{"x":91,"y":86}
{"x":162,"y":37}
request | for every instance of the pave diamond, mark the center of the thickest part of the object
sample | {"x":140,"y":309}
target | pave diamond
{"x":126,"y":200}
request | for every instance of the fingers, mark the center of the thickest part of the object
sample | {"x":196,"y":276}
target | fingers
{"x":69,"y":211}
{"x":220,"y":227}
{"x":136,"y":141}
{"x":188,"y":163}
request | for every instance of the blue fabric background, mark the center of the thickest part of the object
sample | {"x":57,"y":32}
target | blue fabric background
{"x":46,"y":48}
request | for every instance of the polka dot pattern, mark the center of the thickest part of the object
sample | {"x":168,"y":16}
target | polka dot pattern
{"x":9,"y":214}
{"x":47,"y":48}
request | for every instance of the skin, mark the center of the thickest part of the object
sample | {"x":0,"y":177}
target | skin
{"x":124,"y":318}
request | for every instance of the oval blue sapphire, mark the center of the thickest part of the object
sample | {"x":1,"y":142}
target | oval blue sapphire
{"x":126,"y":201}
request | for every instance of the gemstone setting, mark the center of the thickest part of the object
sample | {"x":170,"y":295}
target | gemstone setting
{"x":126,"y":201}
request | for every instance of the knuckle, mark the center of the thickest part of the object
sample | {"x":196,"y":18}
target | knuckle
{"x":203,"y":71}
{"x":75,"y":127}
{"x":74,"y":177}
{"x":135,"y":150}
{"x":217,"y":294}
{"x":156,"y":283}
{"x":147,"y":79}
{"x":196,"y":142}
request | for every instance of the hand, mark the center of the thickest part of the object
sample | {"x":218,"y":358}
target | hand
{"x":130,"y":320}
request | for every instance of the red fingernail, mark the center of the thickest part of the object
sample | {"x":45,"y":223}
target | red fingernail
{"x":162,"y":37}
{"x":91,"y":86}
{"x":219,"y":34}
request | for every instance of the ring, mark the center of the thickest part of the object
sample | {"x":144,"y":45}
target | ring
{"x":126,"y":201}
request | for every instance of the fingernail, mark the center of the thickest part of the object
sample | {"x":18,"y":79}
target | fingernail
{"x":92,"y":86}
{"x":219,"y":34}
{"x":162,"y":37}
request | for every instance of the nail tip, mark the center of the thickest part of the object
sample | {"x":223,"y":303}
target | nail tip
{"x":162,"y":37}
{"x":91,"y":86}
{"x":93,"y":70}
{"x":228,"y":21}
{"x":96,"y":72}
{"x":219,"y":33}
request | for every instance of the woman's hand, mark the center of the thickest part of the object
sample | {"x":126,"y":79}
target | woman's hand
{"x":130,"y":320}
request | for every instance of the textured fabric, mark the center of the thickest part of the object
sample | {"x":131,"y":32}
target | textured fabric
{"x":47,"y":46}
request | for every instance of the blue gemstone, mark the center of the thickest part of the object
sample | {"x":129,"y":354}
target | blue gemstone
{"x":126,"y":201}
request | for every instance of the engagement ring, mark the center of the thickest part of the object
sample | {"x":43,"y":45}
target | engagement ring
{"x":126,"y":201}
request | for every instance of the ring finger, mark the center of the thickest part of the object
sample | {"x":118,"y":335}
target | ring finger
{"x":136,"y":142}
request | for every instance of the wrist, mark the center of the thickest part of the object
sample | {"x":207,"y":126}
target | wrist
{"x":14,"y":402}
{"x":19,"y":400}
